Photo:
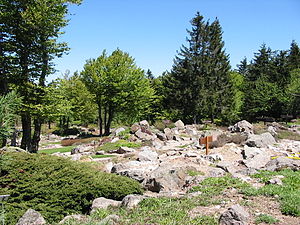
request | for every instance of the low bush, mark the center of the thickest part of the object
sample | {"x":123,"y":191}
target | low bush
{"x":265,"y":218}
{"x":55,"y":186}
{"x":286,"y":134}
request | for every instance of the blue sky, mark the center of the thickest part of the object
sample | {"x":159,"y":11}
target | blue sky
{"x":152,"y":31}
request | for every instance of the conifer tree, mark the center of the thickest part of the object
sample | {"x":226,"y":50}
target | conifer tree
{"x":199,"y":81}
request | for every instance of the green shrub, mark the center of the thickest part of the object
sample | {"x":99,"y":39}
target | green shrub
{"x":56,"y":186}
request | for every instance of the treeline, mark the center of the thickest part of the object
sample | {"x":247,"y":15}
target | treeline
{"x":112,"y":88}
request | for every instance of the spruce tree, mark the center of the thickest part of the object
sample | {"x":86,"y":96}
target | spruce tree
{"x":199,"y":78}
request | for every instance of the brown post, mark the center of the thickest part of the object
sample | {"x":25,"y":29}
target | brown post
{"x":205,"y":141}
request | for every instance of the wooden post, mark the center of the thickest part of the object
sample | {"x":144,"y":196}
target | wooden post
{"x":205,"y":141}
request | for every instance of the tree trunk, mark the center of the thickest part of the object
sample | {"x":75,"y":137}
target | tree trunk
{"x":109,"y":120}
{"x":4,"y":142}
{"x":36,"y":135}
{"x":100,"y":119}
{"x":26,"y":126}
{"x":49,"y":124}
{"x":14,"y":138}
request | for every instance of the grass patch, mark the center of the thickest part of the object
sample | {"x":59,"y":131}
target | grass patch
{"x":121,"y":143}
{"x":288,"y":194}
{"x":101,"y":156}
{"x":53,"y":150}
{"x":285,"y":134}
{"x":265,"y":218}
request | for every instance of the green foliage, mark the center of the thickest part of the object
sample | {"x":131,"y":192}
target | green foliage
{"x":109,"y":146}
{"x":198,"y":85}
{"x":293,"y":93}
{"x":8,"y":107}
{"x":194,"y":173}
{"x":55,"y":186}
{"x":265,"y":218}
{"x":119,"y":87}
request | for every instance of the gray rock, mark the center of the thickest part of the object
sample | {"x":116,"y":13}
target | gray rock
{"x":275,"y":180}
{"x":216,"y":172}
{"x":235,"y":215}
{"x":110,"y":220}
{"x":169,"y":133}
{"x":247,"y":171}
{"x":166,"y":178}
{"x":104,"y":203}
{"x":123,"y":150}
{"x":12,"y":149}
{"x":108,"y":167}
{"x":72,"y":218}
{"x":242,"y":127}
{"x":272,"y":130}
{"x":118,"y":131}
{"x":282,"y":163}
{"x":147,"y":155}
{"x":213,"y":157}
{"x":31,"y":217}
{"x":76,"y":150}
{"x":258,"y":161}
{"x":144,"y":124}
{"x":135,"y":127}
{"x":227,"y":166}
{"x":100,"y":153}
{"x":191,"y":132}
{"x":250,"y":152}
{"x":161,"y":136}
{"x":135,"y":169}
{"x":157,"y":144}
{"x":179,"y":124}
{"x":144,"y":136}
{"x":131,"y":201}
{"x":261,"y":141}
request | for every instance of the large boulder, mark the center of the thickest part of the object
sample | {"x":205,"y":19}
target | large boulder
{"x":242,"y":126}
{"x":147,"y":155}
{"x":144,"y":124}
{"x":131,"y":201}
{"x":258,"y":161}
{"x":135,"y":169}
{"x":12,"y":149}
{"x":169,"y":133}
{"x":145,"y":136}
{"x":166,"y":178}
{"x":179,"y":124}
{"x":282,"y":163}
{"x":31,"y":217}
{"x":250,"y":152}
{"x":235,"y":215}
{"x":261,"y":141}
{"x":104,"y":203}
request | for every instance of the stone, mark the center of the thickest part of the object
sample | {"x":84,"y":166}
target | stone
{"x":272,"y":130}
{"x":242,"y":126}
{"x":76,"y":150}
{"x":147,"y":155}
{"x":169,"y":133}
{"x":275,"y":180}
{"x":226,"y":166}
{"x":235,"y":215}
{"x":72,"y":218}
{"x":166,"y":178}
{"x":100,"y":153}
{"x":104,"y":203}
{"x":261,"y":141}
{"x":118,"y":131}
{"x":250,"y":152}
{"x":12,"y":149}
{"x":135,"y":169}
{"x":258,"y":161}
{"x":161,"y":136}
{"x":144,"y":136}
{"x":191,"y":131}
{"x":110,"y":220}
{"x":157,"y":144}
{"x":216,"y":172}
{"x":179,"y":124}
{"x":31,"y":217}
{"x":144,"y":124}
{"x":123,"y":150}
{"x":135,"y":127}
{"x":213,"y":157}
{"x":108,"y":167}
{"x":131,"y":201}
{"x":281,"y":163}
